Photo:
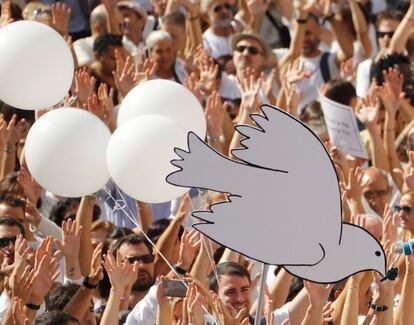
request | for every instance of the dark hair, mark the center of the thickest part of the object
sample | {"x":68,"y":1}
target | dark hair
{"x":10,"y":185}
{"x":227,"y":268}
{"x":340,"y":91}
{"x":102,"y":42}
{"x":58,"y":212}
{"x":156,"y":229}
{"x":389,"y":61}
{"x":60,"y":296}
{"x":120,"y":232}
{"x":11,"y":200}
{"x":132,"y":239}
{"x":176,"y":18}
{"x":12,"y":222}
{"x":55,"y":317}
{"x":295,"y":287}
{"x":389,"y":15}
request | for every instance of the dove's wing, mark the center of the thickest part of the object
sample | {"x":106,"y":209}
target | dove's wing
{"x":240,"y":225}
{"x":281,"y":142}
{"x":285,"y":143}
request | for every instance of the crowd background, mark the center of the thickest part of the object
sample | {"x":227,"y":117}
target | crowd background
{"x":106,"y":258}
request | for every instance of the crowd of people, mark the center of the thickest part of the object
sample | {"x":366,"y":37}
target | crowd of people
{"x":109,"y":259}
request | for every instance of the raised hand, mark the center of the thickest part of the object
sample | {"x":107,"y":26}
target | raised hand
{"x":190,"y":244}
{"x":71,"y":235}
{"x":120,"y":273}
{"x":208,"y":77}
{"x":348,"y":70}
{"x":214,"y":114}
{"x":354,"y":188}
{"x":106,"y":102}
{"x":144,"y":71}
{"x":369,"y":111}
{"x":195,"y":303}
{"x":60,"y":17}
{"x":409,"y":175}
{"x":317,"y":293}
{"x":96,"y":272}
{"x":257,"y":8}
{"x":296,"y":72}
{"x":31,"y":213}
{"x":20,"y":283}
{"x":6,"y":14}
{"x":84,"y":86}
{"x":192,"y":85}
{"x":250,"y":89}
{"x":390,"y":225}
{"x":395,"y":80}
{"x":30,"y":187}
{"x":388,"y":98}
{"x":192,"y":7}
{"x":224,"y":314}
{"x":46,"y":271}
{"x":124,"y":76}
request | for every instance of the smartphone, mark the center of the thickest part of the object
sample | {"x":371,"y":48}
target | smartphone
{"x":175,"y":288}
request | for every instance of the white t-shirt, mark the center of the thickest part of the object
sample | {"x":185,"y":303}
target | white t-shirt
{"x":309,"y":86}
{"x":362,"y":78}
{"x":216,"y":46}
{"x":84,"y":50}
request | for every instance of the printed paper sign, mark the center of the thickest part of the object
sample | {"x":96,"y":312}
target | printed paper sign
{"x":342,"y":127}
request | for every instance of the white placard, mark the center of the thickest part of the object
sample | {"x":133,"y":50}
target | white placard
{"x":342,"y":127}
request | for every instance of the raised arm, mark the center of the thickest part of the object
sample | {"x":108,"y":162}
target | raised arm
{"x":82,"y":299}
{"x":399,"y":39}
{"x":84,"y":218}
{"x":368,"y":114}
{"x":317,"y":295}
{"x":391,"y":103}
{"x":361,"y":27}
{"x":169,"y":237}
{"x":403,"y":313}
{"x":350,"y":311}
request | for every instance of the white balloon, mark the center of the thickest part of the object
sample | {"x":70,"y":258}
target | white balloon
{"x":139,"y":155}
{"x":166,"y":98}
{"x":66,"y":152}
{"x":36,"y":65}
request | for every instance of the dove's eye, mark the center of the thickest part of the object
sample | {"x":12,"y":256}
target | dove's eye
{"x":378,"y":253}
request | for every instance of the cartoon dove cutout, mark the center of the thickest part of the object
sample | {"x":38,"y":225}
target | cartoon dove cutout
{"x":284,"y":203}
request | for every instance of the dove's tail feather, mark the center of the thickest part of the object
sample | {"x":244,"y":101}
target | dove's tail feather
{"x":203,"y":167}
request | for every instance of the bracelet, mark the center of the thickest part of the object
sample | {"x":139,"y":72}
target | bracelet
{"x":378,"y":307}
{"x":32,"y":306}
{"x":125,"y":298}
{"x":179,"y":270}
{"x":87,"y":284}
{"x":194,"y":18}
{"x":301,"y":21}
{"x":353,"y":287}
{"x":9,"y":149}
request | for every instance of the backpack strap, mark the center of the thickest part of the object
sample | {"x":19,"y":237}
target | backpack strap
{"x":324,"y":66}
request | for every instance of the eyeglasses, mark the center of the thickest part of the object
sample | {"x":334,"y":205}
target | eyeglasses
{"x":146,"y":259}
{"x":39,"y":11}
{"x":375,"y":195}
{"x":4,"y":242}
{"x":218,"y":8}
{"x":252,"y":49}
{"x":383,"y":34}
{"x":405,"y":208}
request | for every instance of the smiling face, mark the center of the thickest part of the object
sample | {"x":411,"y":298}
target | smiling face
{"x":235,"y":291}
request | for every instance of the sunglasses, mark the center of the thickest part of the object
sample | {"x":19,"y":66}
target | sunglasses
{"x":218,"y":8}
{"x":406,"y":209}
{"x":4,"y":242}
{"x":146,"y":259}
{"x":252,"y":49}
{"x":383,"y":34}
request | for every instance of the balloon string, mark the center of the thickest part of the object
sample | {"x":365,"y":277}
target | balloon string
{"x":209,"y":248}
{"x":149,"y":240}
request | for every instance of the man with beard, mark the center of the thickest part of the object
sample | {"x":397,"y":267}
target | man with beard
{"x":135,"y":248}
{"x":322,"y":66}
{"x":217,"y":36}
